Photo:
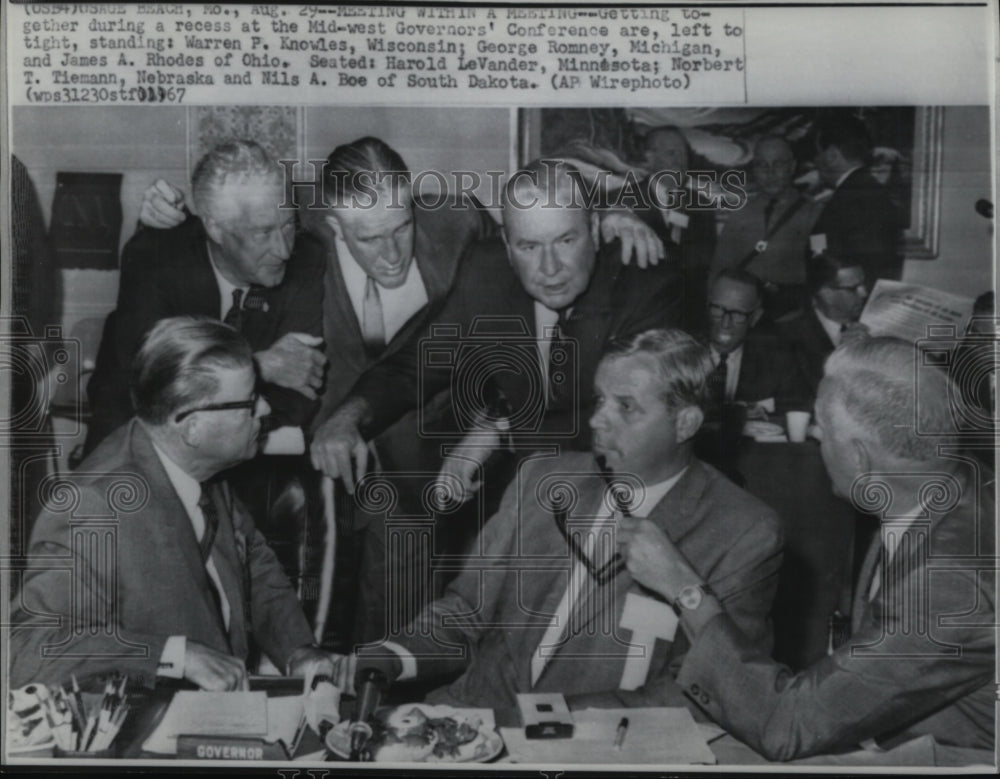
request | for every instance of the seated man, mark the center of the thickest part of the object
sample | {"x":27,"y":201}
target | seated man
{"x":172,"y":580}
{"x":837,"y":295}
{"x":921,"y":658}
{"x":542,"y":605}
{"x":544,"y":300}
{"x":239,"y":261}
{"x":754,"y":372}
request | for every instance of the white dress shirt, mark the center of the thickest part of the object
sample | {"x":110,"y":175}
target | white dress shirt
{"x":831,"y":328}
{"x":549,"y":645}
{"x":398,"y":304}
{"x":733,"y":363}
{"x":226,"y":288}
{"x":189,"y":491}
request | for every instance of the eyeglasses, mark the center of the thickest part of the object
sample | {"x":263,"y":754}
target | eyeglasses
{"x":848,"y":287}
{"x":231,"y":405}
{"x":738,"y":317}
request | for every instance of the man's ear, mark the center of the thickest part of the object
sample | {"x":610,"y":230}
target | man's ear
{"x":595,"y":229}
{"x":689,"y":421}
{"x":333,"y":222}
{"x":213,"y":228}
{"x":861,"y":457}
{"x":191,"y":431}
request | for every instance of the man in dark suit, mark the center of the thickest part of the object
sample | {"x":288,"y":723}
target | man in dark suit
{"x":234,"y":263}
{"x":174,"y":580}
{"x":754,"y":372}
{"x":859,"y":220}
{"x":921,"y":658}
{"x":837,"y":295}
{"x":560,"y":556}
{"x":541,"y":286}
{"x":670,"y":203}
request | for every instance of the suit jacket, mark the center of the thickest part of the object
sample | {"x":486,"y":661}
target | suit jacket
{"x":784,"y":259}
{"x":90,"y":605}
{"x":768,"y":370}
{"x":691,"y":253}
{"x":494,"y":614}
{"x":809,"y":345}
{"x":861,"y":222}
{"x":620,"y":301}
{"x":168,"y":273}
{"x":441,"y":237}
{"x":921,"y":658}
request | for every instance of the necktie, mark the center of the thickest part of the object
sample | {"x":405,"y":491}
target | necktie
{"x":373,"y":323}
{"x":769,"y":212}
{"x":234,"y":316}
{"x":211,"y":515}
{"x":717,"y":383}
{"x":560,"y":364}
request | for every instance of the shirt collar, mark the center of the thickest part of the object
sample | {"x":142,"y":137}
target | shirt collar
{"x":844,"y":176}
{"x":185,"y":485}
{"x":653,"y":494}
{"x":226,"y":287}
{"x":831,"y":328}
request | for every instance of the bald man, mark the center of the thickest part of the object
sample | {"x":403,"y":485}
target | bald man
{"x":769,"y":236}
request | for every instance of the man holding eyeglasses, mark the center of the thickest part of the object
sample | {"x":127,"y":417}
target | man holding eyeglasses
{"x":160,"y":572}
{"x":769,"y":236}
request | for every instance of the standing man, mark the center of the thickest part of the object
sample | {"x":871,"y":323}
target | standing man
{"x":859,"y":220}
{"x":235,"y":263}
{"x":769,"y":236}
{"x":921,"y":658}
{"x":542,"y":285}
{"x":838,"y":292}
{"x":548,"y":601}
{"x":173,"y":580}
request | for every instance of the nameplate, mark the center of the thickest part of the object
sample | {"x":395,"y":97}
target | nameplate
{"x":229,"y":748}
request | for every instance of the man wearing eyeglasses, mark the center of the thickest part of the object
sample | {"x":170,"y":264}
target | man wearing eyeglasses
{"x":158,"y":572}
{"x":838,"y":292}
{"x":547,"y":600}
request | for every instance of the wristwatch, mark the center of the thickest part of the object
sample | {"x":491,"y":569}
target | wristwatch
{"x":690,"y":596}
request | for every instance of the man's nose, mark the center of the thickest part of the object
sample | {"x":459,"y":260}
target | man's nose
{"x":597,"y":419}
{"x":390,"y":252}
{"x":263,"y":408}
{"x":550,"y":262}
{"x":281,"y":243}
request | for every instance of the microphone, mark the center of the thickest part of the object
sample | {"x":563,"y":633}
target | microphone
{"x":984,"y":207}
{"x":373,"y":684}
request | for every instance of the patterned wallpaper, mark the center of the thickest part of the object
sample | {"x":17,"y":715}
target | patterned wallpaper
{"x":279,"y":129}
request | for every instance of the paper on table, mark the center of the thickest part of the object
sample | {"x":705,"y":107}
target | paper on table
{"x":209,"y":714}
{"x":907,"y":310}
{"x":655,"y":736}
{"x":284,"y":718}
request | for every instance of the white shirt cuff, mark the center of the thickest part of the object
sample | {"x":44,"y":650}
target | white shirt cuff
{"x":172,"y":658}
{"x":406,"y":658}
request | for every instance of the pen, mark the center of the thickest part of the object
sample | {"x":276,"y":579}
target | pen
{"x":620,"y":733}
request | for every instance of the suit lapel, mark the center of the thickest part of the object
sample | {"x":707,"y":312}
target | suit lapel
{"x":230,"y":564}
{"x":675,"y":515}
{"x":864,"y":582}
{"x":201,"y":290}
{"x":171,"y":525}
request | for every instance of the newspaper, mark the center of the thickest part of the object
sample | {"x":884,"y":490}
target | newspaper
{"x":100,"y":100}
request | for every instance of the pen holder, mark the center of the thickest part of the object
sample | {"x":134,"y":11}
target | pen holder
{"x":98,"y":754}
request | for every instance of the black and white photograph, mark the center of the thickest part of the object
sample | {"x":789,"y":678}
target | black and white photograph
{"x":503,"y":387}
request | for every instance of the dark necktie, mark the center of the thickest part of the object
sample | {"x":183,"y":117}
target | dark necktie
{"x":211,"y":515}
{"x":769,"y":212}
{"x":717,"y":383}
{"x":373,"y":321}
{"x":234,"y":316}
{"x":560,"y":365}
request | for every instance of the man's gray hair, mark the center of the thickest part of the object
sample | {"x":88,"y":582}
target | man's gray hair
{"x":551,"y":183}
{"x":232,"y":162}
{"x":876,"y":381}
{"x":175,"y":367}
{"x":683,"y":364}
